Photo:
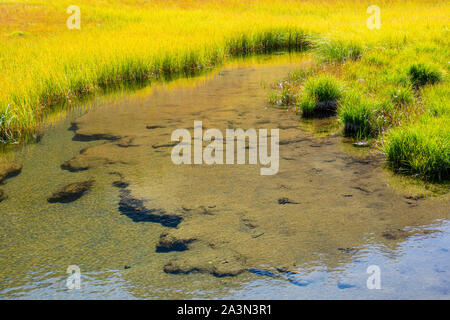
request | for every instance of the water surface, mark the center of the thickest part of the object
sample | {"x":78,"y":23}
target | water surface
{"x":232,"y":236}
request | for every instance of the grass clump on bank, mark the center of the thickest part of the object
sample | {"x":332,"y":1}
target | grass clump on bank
{"x":421,"y":149}
{"x":320,"y":96}
{"x":339,"y":51}
{"x":268,"y":41}
{"x":422,"y":74}
{"x":357,"y":114}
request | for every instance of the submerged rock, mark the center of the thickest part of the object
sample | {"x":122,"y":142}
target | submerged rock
{"x":93,"y":137}
{"x":84,"y":162}
{"x":126,"y":142}
{"x":286,"y":201}
{"x":168,"y":242}
{"x":176,"y":268}
{"x":71,"y":192}
{"x":75,"y":165}
{"x":151,"y":127}
{"x":219,"y":264}
{"x":164,"y":145}
{"x":8,"y":170}
{"x":105,"y":154}
{"x":135,"y":209}
{"x":120,"y":184}
{"x":395,"y":234}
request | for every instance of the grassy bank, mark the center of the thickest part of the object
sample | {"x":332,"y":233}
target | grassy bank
{"x":403,"y":106}
{"x":394,"y":92}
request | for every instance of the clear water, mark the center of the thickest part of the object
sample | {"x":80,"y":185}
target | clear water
{"x":349,"y":212}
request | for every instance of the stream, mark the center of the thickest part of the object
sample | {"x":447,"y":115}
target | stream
{"x":151,"y":229}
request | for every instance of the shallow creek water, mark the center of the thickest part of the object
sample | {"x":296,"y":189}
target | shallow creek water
{"x":220,"y":231}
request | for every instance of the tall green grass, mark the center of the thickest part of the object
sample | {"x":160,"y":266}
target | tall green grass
{"x":268,"y":41}
{"x":421,"y":149}
{"x":401,"y":95}
{"x":357,"y":114}
{"x":422,"y":74}
{"x":320,"y":96}
{"x":339,"y":51}
{"x":436,"y":100}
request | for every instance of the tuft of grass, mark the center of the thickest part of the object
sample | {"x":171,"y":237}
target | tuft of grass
{"x":285,"y":98}
{"x":321,"y":96}
{"x":375,"y":58}
{"x":357,"y":114}
{"x":6,"y":118}
{"x":339,"y":51}
{"x":307,"y":105}
{"x":422,"y":74}
{"x":401,"y":95}
{"x":299,"y":76}
{"x":421,"y":149}
{"x":267,"y":41}
{"x":436,"y":100}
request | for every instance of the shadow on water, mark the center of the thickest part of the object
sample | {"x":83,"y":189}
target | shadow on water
{"x":136,"y":211}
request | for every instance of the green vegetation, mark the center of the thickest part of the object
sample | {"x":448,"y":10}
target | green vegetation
{"x":402,"y":95}
{"x":421,"y":149}
{"x":339,"y":51}
{"x":404,"y":106}
{"x":357,"y":113}
{"x":320,"y":96}
{"x":399,"y":72}
{"x":422,"y":74}
{"x":436,"y":100}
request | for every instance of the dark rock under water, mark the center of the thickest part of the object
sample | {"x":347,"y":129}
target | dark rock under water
{"x":71,"y":192}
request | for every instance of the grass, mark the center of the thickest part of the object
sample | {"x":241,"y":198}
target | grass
{"x":421,"y":149}
{"x":23,"y":109}
{"x":125,"y":41}
{"x":401,"y":95}
{"x":339,"y":51}
{"x":422,"y":74}
{"x":436,"y":100}
{"x":321,"y":95}
{"x":357,"y":114}
{"x":399,"y":72}
{"x":396,"y":89}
